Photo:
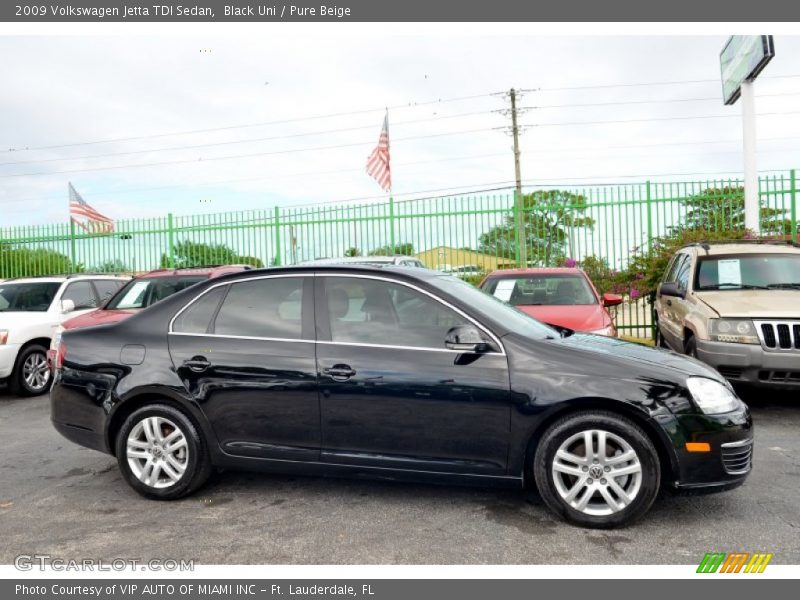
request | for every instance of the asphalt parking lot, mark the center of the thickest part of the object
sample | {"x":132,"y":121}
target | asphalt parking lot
{"x":69,"y":502}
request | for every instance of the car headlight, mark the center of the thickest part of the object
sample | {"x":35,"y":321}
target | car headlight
{"x":738,"y":331}
{"x":3,"y":336}
{"x":607,"y":331}
{"x":712,"y":397}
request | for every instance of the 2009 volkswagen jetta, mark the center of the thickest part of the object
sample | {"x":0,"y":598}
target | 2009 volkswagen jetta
{"x":394,"y":372}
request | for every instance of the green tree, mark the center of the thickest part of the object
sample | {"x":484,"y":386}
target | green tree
{"x":403,"y":249}
{"x":112,"y":266}
{"x":197,"y":254}
{"x":27,"y":262}
{"x":550,"y":217}
{"x":352,"y":251}
{"x":722,"y":209}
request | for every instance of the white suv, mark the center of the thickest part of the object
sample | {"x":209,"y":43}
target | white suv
{"x":30,"y":310}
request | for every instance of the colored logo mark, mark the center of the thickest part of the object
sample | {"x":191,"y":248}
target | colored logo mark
{"x":735,"y":562}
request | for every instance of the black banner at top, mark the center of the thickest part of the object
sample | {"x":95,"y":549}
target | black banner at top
{"x":399,"y":11}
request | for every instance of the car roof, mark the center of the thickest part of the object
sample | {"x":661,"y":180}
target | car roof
{"x":745,"y":247}
{"x":63,"y":278}
{"x":537,"y":271}
{"x":209,"y":271}
{"x":322,"y":269}
{"x":359,"y":260}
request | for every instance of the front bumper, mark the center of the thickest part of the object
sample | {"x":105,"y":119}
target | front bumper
{"x":751,"y":364}
{"x":727,"y":465}
{"x":8,"y":356}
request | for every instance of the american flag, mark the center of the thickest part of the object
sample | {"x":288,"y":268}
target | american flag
{"x":85,"y":216}
{"x":378,"y":161}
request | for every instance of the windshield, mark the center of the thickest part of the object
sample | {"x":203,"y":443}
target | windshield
{"x":548,"y":289}
{"x":494,"y":308}
{"x":141,"y":293}
{"x":748,"y":271}
{"x":23,"y":297}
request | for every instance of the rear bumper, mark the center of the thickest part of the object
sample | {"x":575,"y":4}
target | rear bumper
{"x":77,"y":415}
{"x":8,"y":356}
{"x":751,"y":364}
{"x":729,"y":462}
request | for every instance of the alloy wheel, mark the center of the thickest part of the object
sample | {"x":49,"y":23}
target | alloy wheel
{"x":35,"y":372}
{"x":597,"y":472}
{"x":157,"y":452}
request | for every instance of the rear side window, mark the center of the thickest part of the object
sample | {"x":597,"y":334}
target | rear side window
{"x":269,"y":308}
{"x":197,"y":317}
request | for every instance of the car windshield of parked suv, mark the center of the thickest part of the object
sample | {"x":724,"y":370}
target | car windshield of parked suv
{"x":749,"y":271}
{"x":141,"y":293}
{"x":541,"y":290}
{"x":23,"y":297}
{"x":494,"y":308}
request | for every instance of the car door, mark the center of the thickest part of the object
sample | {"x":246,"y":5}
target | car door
{"x":245,"y":351}
{"x":681,"y":306}
{"x":392,"y":395}
{"x":667,"y":317}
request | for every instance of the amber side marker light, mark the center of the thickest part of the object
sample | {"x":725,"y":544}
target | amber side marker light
{"x":698,"y":447}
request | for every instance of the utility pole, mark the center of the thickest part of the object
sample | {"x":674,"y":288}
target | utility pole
{"x":519,"y":205}
{"x":752,"y":217}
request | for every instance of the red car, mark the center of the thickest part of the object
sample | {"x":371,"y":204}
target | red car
{"x":558,"y":296}
{"x":140,"y":293}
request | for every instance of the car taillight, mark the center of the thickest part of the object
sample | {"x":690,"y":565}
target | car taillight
{"x":61,"y":354}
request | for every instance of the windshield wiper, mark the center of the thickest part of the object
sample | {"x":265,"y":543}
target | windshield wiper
{"x":778,"y":286}
{"x":736,"y":286}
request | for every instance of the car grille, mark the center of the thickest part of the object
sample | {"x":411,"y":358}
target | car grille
{"x":780,"y":376}
{"x":731,"y":372}
{"x":737,"y":456}
{"x":779,"y":335}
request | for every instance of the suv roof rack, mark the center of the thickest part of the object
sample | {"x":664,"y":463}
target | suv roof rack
{"x":706,"y":244}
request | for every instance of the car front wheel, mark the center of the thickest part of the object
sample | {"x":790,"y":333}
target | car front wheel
{"x":161,"y":454}
{"x":31,"y":374}
{"x":597,"y":469}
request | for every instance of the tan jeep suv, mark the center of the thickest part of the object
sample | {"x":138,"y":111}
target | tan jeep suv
{"x":735,"y":306}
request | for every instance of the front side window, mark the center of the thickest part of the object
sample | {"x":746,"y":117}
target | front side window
{"x":542,"y":290}
{"x":107,"y":288}
{"x":269,"y":308}
{"x":82,"y":294}
{"x":672,"y":271}
{"x":748,"y":271}
{"x":24,"y":297}
{"x":371,"y":311}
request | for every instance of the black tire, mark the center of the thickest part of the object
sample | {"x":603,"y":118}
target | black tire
{"x":18,"y":384}
{"x":690,"y":346}
{"x":197,"y":462}
{"x":660,"y":341}
{"x":623,"y":428}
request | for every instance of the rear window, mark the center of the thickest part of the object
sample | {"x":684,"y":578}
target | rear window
{"x":544,"y":290}
{"x":141,"y":293}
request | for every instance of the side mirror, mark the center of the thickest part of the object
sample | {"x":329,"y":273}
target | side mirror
{"x":465,"y":338}
{"x":611,"y":299}
{"x":670,"y":288}
{"x":67,"y":306}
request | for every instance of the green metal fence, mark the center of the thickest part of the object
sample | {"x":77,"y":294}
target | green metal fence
{"x":470,"y":234}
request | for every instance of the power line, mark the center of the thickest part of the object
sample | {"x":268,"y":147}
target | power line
{"x":644,"y":84}
{"x":238,"y":156}
{"x":656,"y":119}
{"x":242,"y":141}
{"x":250,"y":125}
{"x":633,"y":102}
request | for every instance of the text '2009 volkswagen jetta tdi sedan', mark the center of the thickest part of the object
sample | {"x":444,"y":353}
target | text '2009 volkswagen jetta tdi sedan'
{"x":393,"y":372}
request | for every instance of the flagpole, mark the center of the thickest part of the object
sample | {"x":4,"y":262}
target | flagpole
{"x":71,"y":233}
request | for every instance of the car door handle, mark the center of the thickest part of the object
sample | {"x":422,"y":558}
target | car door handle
{"x":197,"y":363}
{"x":339,"y":371}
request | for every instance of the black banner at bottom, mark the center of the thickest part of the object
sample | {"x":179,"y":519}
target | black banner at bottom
{"x":730,"y":588}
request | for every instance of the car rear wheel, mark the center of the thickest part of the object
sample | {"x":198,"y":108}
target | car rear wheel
{"x":31,"y":374}
{"x":161,"y":454}
{"x":597,"y":469}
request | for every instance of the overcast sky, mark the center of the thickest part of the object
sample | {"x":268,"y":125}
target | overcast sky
{"x":89,"y":109}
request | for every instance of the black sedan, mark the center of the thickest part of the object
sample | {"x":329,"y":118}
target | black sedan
{"x":394,"y":373}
